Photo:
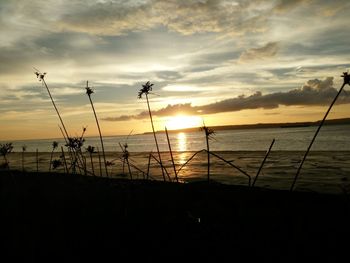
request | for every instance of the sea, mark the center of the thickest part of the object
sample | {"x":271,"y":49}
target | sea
{"x":330,"y":138}
{"x":326,"y":170}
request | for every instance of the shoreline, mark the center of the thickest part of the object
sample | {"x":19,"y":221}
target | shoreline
{"x":325,"y":172}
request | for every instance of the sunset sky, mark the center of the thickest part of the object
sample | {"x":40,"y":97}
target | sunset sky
{"x":224,"y":62}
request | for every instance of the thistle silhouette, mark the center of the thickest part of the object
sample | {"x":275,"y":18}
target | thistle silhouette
{"x":89,"y":91}
{"x":346,"y":78}
{"x":146,"y":88}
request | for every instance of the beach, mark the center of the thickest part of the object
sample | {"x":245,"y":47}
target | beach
{"x":323,"y":171}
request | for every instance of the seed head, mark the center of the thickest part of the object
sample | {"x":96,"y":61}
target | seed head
{"x":89,"y":91}
{"x":146,"y":88}
{"x":54,"y":145}
{"x":346,"y":77}
{"x":90,"y":149}
{"x":40,"y":75}
{"x":208,"y":132}
{"x":5,"y":148}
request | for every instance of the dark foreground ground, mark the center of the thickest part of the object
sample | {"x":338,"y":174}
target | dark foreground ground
{"x":55,"y":217}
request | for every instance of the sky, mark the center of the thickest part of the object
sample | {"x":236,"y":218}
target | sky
{"x":222,"y":62}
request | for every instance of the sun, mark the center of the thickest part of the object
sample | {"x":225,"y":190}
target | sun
{"x":182,"y":122}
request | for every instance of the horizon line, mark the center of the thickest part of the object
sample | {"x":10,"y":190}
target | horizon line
{"x":190,"y":129}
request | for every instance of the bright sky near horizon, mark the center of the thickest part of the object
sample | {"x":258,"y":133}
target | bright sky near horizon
{"x":221,"y":61}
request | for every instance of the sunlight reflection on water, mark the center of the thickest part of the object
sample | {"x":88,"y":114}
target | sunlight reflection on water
{"x":182,"y":147}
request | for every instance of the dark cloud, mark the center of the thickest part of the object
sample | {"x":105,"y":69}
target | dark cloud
{"x":312,"y":93}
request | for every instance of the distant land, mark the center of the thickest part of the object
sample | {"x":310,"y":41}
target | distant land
{"x":342,"y":121}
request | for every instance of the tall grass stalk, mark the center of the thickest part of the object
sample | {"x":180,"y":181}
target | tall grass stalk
{"x":189,"y":159}
{"x":164,"y":169}
{"x":263,"y":162}
{"x":171,"y":154}
{"x":41,"y":77}
{"x":148,"y":165}
{"x":346,"y":78}
{"x":54,"y":146}
{"x":99,"y":160}
{"x":146,"y":88}
{"x":89,"y":91}
{"x":127,"y":162}
{"x":64,"y":160}
{"x":91,"y":150}
{"x":126,"y":157}
{"x":234,"y":166}
{"x":24,"y":148}
{"x":208,"y":133}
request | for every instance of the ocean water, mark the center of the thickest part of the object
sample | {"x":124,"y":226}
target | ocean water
{"x":330,"y":138}
{"x":327,"y":168}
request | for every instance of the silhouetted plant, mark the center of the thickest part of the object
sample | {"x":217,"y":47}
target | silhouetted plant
{"x":125,"y":158}
{"x":171,"y":154}
{"x":56,"y":163}
{"x":231,"y":164}
{"x":110,"y":164}
{"x":41,"y":77}
{"x":146,"y":88}
{"x":89,"y":91}
{"x":164,"y":168}
{"x":83,"y":159}
{"x":54,"y":146}
{"x":99,"y":160}
{"x":263,"y":162}
{"x":148,"y":165}
{"x":74,"y":145}
{"x":63,"y":157}
{"x":24,"y":148}
{"x":346,"y":80}
{"x":189,"y":159}
{"x":90,"y":149}
{"x":220,"y":158}
{"x":208,"y":135}
{"x":5,"y":149}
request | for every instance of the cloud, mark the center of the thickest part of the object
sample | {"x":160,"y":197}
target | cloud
{"x":267,"y":51}
{"x":284,"y":6}
{"x":185,"y":17}
{"x":313,"y":93}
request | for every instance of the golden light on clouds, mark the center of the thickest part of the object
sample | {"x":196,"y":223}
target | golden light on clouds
{"x":228,"y":62}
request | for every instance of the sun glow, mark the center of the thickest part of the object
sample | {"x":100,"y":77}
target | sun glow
{"x":182,"y":122}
